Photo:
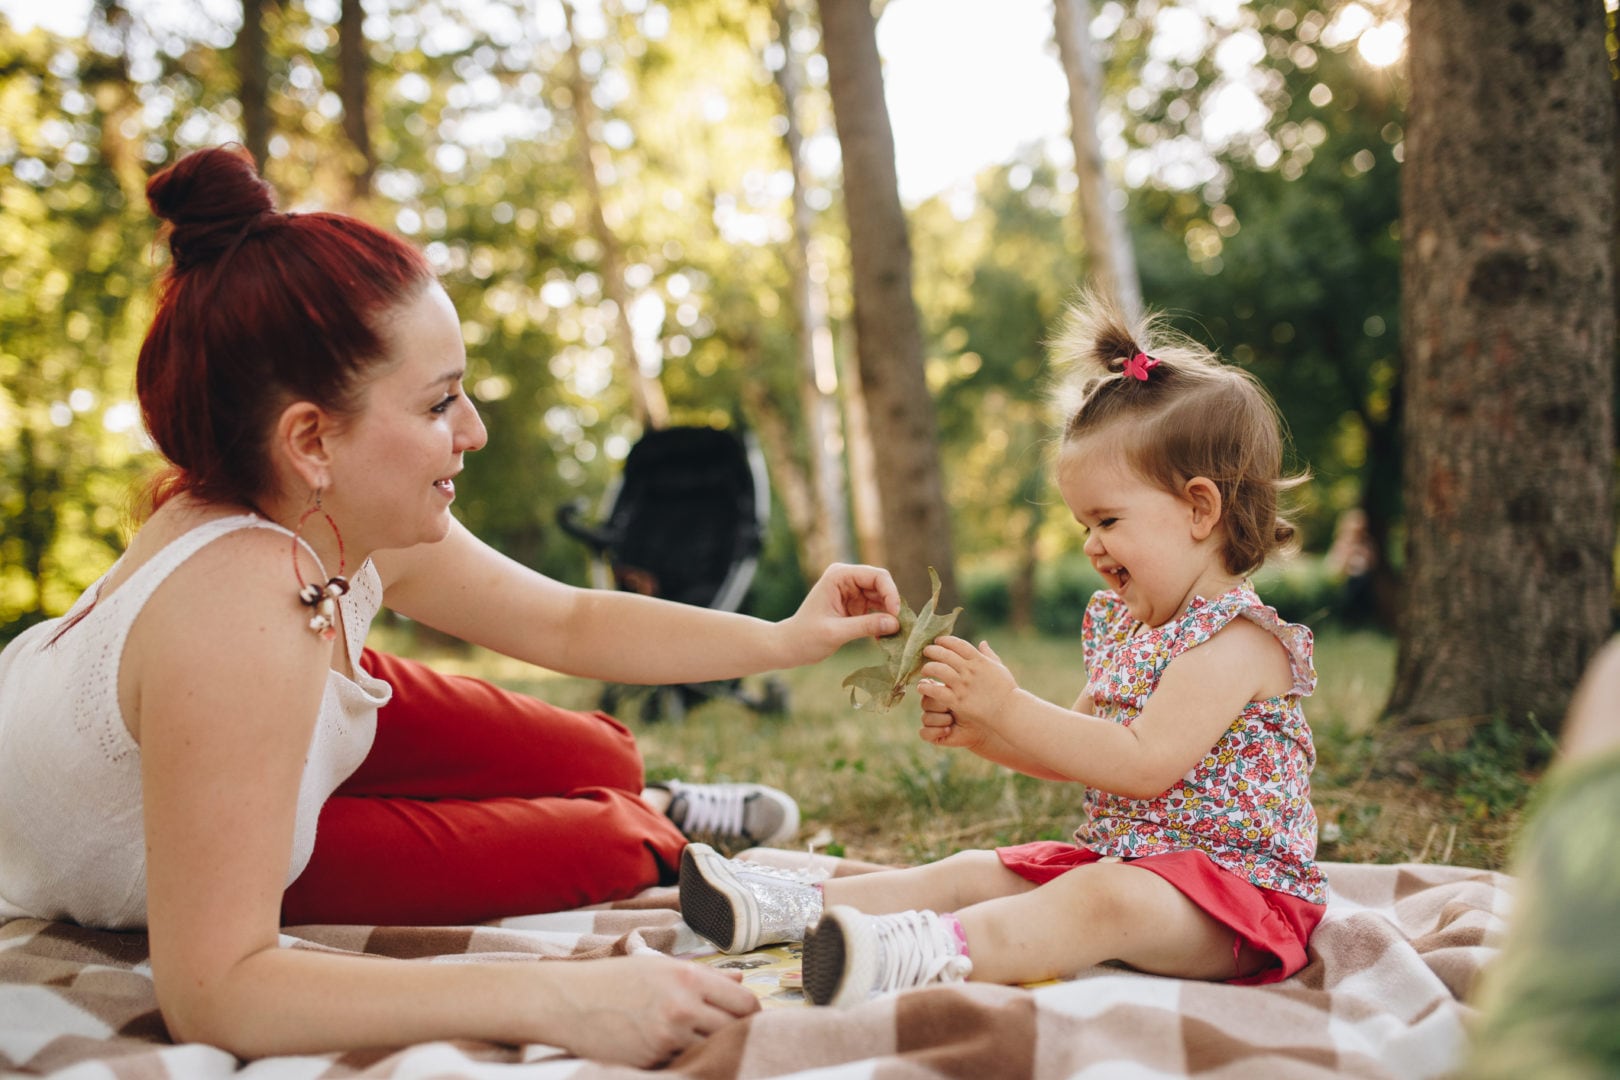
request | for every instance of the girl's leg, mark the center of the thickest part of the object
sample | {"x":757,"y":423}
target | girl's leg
{"x":1095,"y":912}
{"x":1098,"y":912}
{"x":741,"y":905}
{"x":951,"y":884}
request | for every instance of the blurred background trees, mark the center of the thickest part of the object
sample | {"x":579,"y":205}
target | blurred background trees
{"x":632,"y":200}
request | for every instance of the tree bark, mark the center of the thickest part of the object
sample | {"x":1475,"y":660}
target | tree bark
{"x":646,"y":393}
{"x":916,"y":525}
{"x":1109,"y":255}
{"x":828,"y":539}
{"x":865,"y":500}
{"x":353,"y":80}
{"x":253,"y":77}
{"x":1508,"y":297}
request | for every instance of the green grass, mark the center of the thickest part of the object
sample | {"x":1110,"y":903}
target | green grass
{"x":868,"y":787}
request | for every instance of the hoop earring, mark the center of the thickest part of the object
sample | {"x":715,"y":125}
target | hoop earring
{"x":323,"y":598}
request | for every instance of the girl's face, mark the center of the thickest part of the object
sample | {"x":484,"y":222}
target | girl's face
{"x":394,"y":463}
{"x":1155,"y":548}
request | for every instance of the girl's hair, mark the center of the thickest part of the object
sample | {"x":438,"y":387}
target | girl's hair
{"x":258,"y":309}
{"x":1191,"y":416}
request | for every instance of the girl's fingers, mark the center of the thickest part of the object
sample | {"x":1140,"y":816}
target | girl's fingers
{"x":955,"y":646}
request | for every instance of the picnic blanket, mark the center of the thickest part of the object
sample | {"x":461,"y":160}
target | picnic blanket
{"x":1384,"y":995}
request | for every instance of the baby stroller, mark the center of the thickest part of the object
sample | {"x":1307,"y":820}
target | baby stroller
{"x":685,"y":521}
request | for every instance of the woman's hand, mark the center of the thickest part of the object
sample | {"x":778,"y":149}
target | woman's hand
{"x":645,"y":1010}
{"x":963,"y":689}
{"x":848,"y":602}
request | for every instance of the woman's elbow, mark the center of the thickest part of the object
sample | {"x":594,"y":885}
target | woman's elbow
{"x":198,"y":1015}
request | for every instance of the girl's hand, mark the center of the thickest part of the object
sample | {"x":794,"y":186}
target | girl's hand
{"x":940,"y":727}
{"x":848,"y":602}
{"x":970,"y":686}
{"x":645,"y":1010}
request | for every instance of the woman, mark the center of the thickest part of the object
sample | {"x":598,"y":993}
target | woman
{"x":167,"y":748}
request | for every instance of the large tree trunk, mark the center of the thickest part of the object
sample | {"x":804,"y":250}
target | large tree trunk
{"x":646,"y":393}
{"x":1508,"y":300}
{"x":1109,"y":255}
{"x":828,"y":539}
{"x":353,"y":79}
{"x":916,"y":526}
{"x":253,"y":76}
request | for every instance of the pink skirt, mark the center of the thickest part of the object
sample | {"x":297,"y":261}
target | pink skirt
{"x":1268,"y":921}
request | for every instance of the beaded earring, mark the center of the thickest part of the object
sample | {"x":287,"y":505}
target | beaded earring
{"x":323,"y":598}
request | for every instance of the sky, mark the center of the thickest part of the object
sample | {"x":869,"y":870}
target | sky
{"x":968,"y":81}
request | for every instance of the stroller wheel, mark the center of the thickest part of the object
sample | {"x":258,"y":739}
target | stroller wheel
{"x":664,"y":703}
{"x":775,"y":703}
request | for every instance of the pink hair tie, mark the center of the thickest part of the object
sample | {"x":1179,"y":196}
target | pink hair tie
{"x":1138,"y":366}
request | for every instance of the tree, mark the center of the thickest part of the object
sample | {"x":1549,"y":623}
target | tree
{"x":826,"y":535}
{"x":253,"y":73}
{"x":1109,"y":256}
{"x":646,"y":393}
{"x":353,"y":89}
{"x":1508,"y":289}
{"x":888,"y":337}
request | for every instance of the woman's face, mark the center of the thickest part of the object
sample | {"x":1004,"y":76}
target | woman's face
{"x":394,"y":462}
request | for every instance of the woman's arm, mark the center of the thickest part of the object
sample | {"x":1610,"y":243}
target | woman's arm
{"x":1200,"y":694}
{"x":229,"y":681}
{"x":465,"y":588}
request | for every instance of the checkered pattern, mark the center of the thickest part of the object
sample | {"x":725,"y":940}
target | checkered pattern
{"x":1383,"y":996}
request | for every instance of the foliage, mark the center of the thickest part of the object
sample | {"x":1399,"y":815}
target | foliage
{"x":1275,"y":241}
{"x":881,"y":686}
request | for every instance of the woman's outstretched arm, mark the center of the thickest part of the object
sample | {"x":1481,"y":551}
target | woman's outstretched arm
{"x":465,"y":588}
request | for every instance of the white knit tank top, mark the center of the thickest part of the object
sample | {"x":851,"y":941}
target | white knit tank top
{"x":72,"y":836}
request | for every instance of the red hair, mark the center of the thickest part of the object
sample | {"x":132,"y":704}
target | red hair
{"x":258,"y":309}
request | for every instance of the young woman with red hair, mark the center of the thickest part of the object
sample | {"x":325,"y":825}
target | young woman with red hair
{"x":169,"y":746}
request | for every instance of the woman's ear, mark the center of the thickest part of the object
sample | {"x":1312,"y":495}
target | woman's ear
{"x":299,"y":439}
{"x":1204,"y":497}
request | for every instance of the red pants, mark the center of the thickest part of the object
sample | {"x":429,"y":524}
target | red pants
{"x":476,"y":803}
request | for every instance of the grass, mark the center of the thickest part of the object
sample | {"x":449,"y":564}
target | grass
{"x":869,"y":788}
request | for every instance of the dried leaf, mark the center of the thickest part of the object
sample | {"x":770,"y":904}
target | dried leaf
{"x":881,"y":687}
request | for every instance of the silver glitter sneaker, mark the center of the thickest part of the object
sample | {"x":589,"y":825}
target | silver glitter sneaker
{"x":732,"y":816}
{"x":742,"y":905}
{"x":851,"y":957}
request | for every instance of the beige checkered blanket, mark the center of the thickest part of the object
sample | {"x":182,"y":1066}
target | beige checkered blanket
{"x":1384,"y":996}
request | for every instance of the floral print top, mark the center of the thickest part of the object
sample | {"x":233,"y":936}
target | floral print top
{"x":1247,"y":804}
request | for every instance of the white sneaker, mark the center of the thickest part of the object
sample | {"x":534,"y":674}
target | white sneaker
{"x":732,"y":816}
{"x":851,"y":957}
{"x":742,"y":905}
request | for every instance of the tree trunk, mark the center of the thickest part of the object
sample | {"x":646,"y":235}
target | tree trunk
{"x":916,"y":526}
{"x":253,"y":76}
{"x":1508,"y":299}
{"x":865,"y":499}
{"x":1109,"y":256}
{"x":789,"y":481}
{"x":353,"y":78}
{"x":646,"y":393}
{"x":828,"y":540}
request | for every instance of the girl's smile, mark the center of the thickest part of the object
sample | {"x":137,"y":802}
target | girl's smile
{"x":1154,"y":548}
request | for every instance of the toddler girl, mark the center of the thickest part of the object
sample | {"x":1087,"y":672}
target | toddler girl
{"x":1195,"y":859}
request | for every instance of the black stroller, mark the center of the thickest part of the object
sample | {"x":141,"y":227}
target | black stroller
{"x":685,"y":521}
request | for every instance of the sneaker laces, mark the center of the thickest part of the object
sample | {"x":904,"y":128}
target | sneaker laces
{"x":713,"y":809}
{"x":918,"y":948}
